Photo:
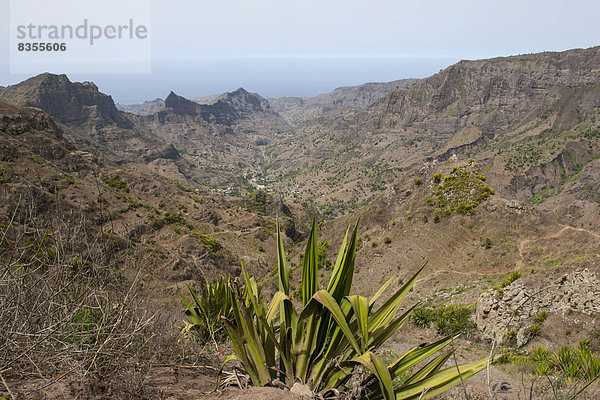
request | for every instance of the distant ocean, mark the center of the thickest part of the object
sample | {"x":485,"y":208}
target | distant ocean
{"x":269,"y":76}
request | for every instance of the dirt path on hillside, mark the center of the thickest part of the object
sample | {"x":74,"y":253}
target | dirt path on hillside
{"x":440,"y":271}
{"x":525,"y":242}
{"x":520,"y":247}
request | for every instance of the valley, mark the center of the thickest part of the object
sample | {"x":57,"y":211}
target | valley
{"x":487,"y":168}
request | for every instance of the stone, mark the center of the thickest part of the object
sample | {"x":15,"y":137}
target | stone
{"x":301,"y":389}
{"x":578,"y":291}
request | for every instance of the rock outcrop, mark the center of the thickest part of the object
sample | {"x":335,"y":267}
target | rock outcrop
{"x":494,"y":94}
{"x":70,"y":103}
{"x":515,"y":306}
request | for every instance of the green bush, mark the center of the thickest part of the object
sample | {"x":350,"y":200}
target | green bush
{"x":541,"y":317}
{"x":511,"y":336}
{"x":422,"y":317}
{"x":510,"y":279}
{"x":448,"y":320}
{"x":535,"y":330}
{"x":418,"y":181}
{"x":115,"y":181}
{"x":461,"y":191}
{"x":322,"y":255}
{"x":451,"y":319}
{"x":488,"y":243}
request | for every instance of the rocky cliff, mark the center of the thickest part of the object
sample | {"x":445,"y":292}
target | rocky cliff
{"x":499,"y":93}
{"x":297,"y":109}
{"x":68,"y":102}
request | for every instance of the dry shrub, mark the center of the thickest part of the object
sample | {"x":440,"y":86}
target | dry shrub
{"x":66,"y":309}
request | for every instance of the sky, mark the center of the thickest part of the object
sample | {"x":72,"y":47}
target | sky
{"x":307,"y":47}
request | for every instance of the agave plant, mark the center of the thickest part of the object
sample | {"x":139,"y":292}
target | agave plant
{"x":205,"y":311}
{"x":321,"y":343}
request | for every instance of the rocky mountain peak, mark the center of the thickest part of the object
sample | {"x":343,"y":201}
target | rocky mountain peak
{"x":227,"y":109}
{"x":245,"y":101}
{"x":180,"y":105}
{"x":70,"y":103}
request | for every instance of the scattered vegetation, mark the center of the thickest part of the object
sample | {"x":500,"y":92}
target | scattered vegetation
{"x":540,"y":317}
{"x":115,"y":182}
{"x":259,"y":202}
{"x":488,"y":243}
{"x":535,"y":330}
{"x":322,"y":255}
{"x":461,"y":191}
{"x":510,"y":279}
{"x":524,"y":156}
{"x":168,"y":219}
{"x":566,"y":364}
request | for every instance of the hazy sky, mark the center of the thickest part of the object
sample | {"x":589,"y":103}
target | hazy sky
{"x":306,"y":47}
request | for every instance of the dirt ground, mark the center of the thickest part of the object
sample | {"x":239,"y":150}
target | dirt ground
{"x":191,"y":383}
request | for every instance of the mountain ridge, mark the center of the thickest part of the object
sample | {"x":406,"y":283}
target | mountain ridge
{"x":300,"y":109}
{"x":143,"y":109}
{"x":66,"y":101}
{"x":487,"y":172}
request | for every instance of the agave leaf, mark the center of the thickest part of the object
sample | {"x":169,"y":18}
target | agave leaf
{"x":339,"y":375}
{"x":310,"y":267}
{"x":284,"y":273}
{"x":308,"y":345}
{"x":272,"y":347}
{"x":237,"y":342}
{"x":327,"y":300}
{"x":440,"y":381}
{"x":360,"y":305}
{"x":194,"y":297}
{"x":338,"y":264}
{"x":321,"y":344}
{"x":327,"y":329}
{"x":284,"y":286}
{"x":278,"y":299}
{"x":379,"y":369}
{"x":250,"y":343}
{"x":232,"y":357}
{"x":431,"y":368}
{"x":381,"y":290}
{"x":191,"y":311}
{"x":382,"y":334}
{"x":251,"y":285}
{"x":336,"y":344}
{"x":386,"y":312}
{"x":418,"y":354}
{"x":343,"y":272}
